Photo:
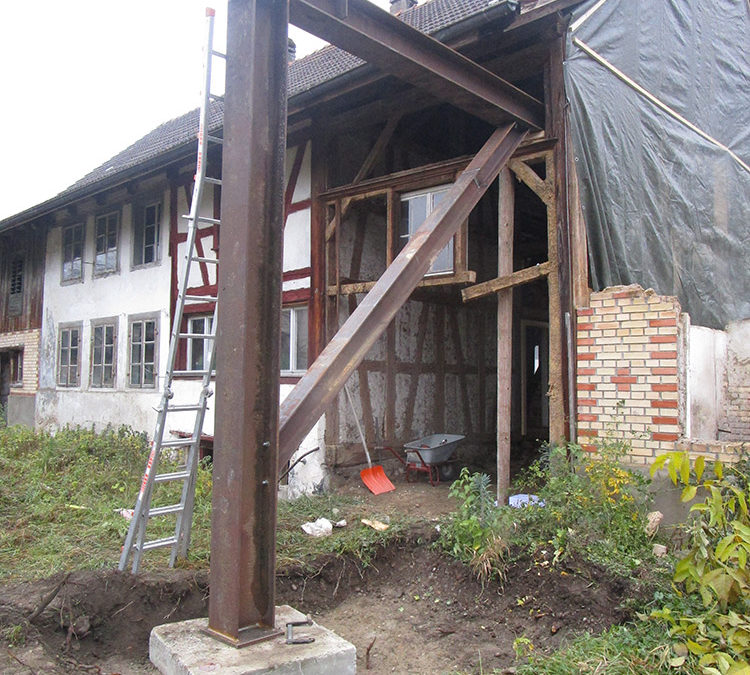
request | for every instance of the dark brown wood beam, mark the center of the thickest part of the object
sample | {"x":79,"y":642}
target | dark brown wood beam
{"x":518,"y":278}
{"x":364,"y":30}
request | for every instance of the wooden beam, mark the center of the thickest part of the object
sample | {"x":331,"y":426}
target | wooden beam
{"x":505,"y":227}
{"x":393,"y":46}
{"x":542,"y":189}
{"x":467,"y":277}
{"x":518,"y":278}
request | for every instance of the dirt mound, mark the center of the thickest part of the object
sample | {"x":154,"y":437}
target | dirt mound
{"x":415,"y":609}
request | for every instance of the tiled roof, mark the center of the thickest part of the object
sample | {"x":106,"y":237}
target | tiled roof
{"x":305,"y":74}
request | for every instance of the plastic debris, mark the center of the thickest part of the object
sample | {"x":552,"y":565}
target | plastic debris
{"x":340,"y":523}
{"x":654,"y":519}
{"x":519,"y":501}
{"x":126,"y":513}
{"x":322,"y":527}
{"x":374,"y":524}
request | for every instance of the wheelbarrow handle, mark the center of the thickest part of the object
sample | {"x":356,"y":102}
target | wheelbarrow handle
{"x":393,"y":452}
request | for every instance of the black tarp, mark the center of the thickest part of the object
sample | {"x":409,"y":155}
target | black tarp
{"x":665,"y":207}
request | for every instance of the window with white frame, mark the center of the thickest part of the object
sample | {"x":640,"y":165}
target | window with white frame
{"x":15,"y":286}
{"x":198,"y":348}
{"x":143,"y":349}
{"x":415,"y":207}
{"x":103,"y":354}
{"x":106,"y":233}
{"x":68,"y":355}
{"x":146,"y":221}
{"x":293,"y":352}
{"x":72,"y":253}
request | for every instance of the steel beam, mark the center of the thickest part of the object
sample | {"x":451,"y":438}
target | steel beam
{"x":386,"y":42}
{"x":324,"y":379}
{"x":243,"y":520}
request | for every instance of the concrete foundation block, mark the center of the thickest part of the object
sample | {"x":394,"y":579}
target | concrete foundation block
{"x":184,"y":649}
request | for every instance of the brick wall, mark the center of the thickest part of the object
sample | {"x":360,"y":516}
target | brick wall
{"x":736,"y":423}
{"x":28,"y":340}
{"x":627,"y":363}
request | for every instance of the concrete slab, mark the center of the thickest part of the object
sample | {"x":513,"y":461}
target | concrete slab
{"x":183,"y":649}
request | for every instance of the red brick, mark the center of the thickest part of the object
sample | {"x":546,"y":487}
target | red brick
{"x":623,"y":371}
{"x":663,"y":387}
{"x":664,"y":421}
{"x":625,"y":294}
{"x":588,"y":432}
{"x":655,"y":323}
{"x":585,"y":341}
{"x":658,"y":436}
{"x":585,"y":326}
{"x":586,"y":356}
{"x":623,"y":386}
{"x":585,"y":312}
{"x":662,"y":370}
{"x":586,"y":417}
{"x":663,"y":355}
{"x":587,"y":371}
{"x":663,"y":404}
{"x":588,"y":448}
{"x":586,"y":387}
{"x":663,"y":339}
{"x":587,"y":401}
{"x":623,"y":379}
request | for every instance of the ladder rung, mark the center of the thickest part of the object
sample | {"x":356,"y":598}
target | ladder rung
{"x":181,"y":408}
{"x":184,"y":373}
{"x":213,"y":181}
{"x":221,"y":55}
{"x":196,"y":258}
{"x":177,"y":443}
{"x":215,"y":139}
{"x":174,"y":475}
{"x":204,"y":219}
{"x":165,"y":510}
{"x":158,"y":543}
{"x":201,"y":298}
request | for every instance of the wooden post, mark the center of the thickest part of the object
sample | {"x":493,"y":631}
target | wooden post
{"x":505,"y":228}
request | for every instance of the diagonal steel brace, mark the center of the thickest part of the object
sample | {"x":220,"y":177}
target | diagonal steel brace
{"x":325,"y":378}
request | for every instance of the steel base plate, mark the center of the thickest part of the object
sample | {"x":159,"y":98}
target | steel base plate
{"x":249,"y":635}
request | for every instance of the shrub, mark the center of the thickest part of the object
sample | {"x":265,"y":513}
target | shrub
{"x":714,"y":628}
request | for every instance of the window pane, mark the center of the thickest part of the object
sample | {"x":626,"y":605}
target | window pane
{"x":150,"y":329}
{"x":65,"y":339}
{"x":149,"y":353}
{"x":148,"y":374}
{"x":74,"y":338}
{"x":286,"y":339}
{"x":96,"y":376}
{"x":136,"y":332}
{"x":301,"y":316}
{"x":135,"y":354}
{"x":135,"y":375}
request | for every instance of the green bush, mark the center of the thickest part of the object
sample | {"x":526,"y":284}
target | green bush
{"x":714,"y":629}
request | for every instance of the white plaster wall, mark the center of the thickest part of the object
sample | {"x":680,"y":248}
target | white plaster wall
{"x":120,"y":295}
{"x":707,"y":356}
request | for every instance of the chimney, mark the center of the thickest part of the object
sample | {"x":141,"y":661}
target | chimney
{"x":398,"y":6}
{"x":291,"y":50}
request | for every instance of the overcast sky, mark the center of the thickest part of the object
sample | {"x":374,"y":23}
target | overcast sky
{"x":83,"y":79}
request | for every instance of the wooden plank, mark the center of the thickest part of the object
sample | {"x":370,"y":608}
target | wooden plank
{"x":467,"y":277}
{"x":316,"y":316}
{"x":518,"y":278}
{"x":461,"y":363}
{"x":505,"y":228}
{"x":578,"y":240}
{"x":416,"y":370}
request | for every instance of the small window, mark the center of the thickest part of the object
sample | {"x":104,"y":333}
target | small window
{"x":293,"y":353}
{"x":103,"y":355}
{"x":147,"y":220}
{"x":198,"y":349}
{"x":68,"y":356}
{"x":415,"y":208}
{"x":16,"y":368}
{"x":105,"y":234}
{"x":72,"y":262}
{"x":15,"y":286}
{"x":143,"y":366}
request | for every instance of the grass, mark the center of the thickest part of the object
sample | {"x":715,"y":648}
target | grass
{"x":60,"y":498}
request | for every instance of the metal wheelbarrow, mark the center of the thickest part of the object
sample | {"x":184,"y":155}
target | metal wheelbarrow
{"x":432,"y":455}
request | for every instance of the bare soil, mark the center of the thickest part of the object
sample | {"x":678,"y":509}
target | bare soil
{"x":414,"y":610}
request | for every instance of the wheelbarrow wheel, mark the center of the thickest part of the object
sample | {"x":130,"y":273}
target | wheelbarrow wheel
{"x":447,"y":471}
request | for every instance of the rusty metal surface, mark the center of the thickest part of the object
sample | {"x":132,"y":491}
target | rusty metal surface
{"x":395,"y":47}
{"x":327,"y":375}
{"x":247,"y":384}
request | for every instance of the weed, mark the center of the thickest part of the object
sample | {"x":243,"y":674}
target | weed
{"x":15,"y":635}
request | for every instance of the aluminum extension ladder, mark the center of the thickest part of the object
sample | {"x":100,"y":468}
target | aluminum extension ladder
{"x":136,"y":542}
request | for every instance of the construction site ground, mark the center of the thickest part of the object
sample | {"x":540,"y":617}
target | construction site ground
{"x":413,"y":610}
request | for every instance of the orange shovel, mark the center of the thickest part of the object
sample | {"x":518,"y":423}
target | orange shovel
{"x":373,"y":477}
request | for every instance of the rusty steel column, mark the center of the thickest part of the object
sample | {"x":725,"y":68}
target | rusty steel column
{"x":243,"y":538}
